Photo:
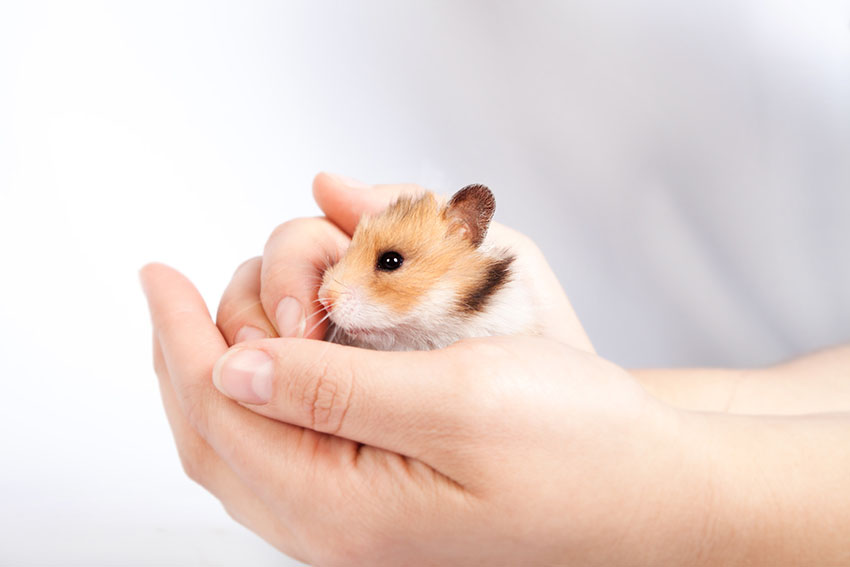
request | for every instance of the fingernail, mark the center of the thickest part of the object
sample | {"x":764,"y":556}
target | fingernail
{"x":249,"y":333}
{"x":245,"y":375}
{"x":290,"y":317}
{"x":349,"y":182}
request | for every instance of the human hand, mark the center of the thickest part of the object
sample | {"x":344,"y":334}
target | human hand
{"x":569,"y":460}
{"x":505,"y":450}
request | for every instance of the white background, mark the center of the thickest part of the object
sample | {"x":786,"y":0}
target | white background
{"x":684,"y":165}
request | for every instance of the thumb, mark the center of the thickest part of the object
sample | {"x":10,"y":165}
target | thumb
{"x":392,"y":400}
{"x":345,"y":200}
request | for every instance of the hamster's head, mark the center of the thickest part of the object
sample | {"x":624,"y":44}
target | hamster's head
{"x":412,"y":266}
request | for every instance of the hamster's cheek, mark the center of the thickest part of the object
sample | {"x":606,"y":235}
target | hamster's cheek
{"x":435,"y":307}
{"x":354,"y":310}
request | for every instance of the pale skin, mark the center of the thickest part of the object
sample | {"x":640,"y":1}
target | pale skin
{"x":504,"y":450}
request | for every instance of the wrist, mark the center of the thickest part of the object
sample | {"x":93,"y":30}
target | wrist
{"x":775,"y":489}
{"x":816,"y":383}
{"x":697,"y":508}
{"x":695,"y":389}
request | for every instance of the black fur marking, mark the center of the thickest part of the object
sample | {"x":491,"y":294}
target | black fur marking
{"x":497,"y":275}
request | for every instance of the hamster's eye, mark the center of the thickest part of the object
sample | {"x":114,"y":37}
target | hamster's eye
{"x":390,"y":261}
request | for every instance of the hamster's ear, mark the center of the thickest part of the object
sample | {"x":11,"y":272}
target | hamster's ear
{"x":470,"y":211}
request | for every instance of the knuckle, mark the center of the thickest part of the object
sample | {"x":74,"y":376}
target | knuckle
{"x":327,"y":397}
{"x":295,"y":225}
{"x":249,"y":265}
{"x":290,"y":250}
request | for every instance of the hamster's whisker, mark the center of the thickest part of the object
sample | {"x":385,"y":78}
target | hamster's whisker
{"x":316,"y":326}
{"x":334,"y":331}
{"x":314,"y":313}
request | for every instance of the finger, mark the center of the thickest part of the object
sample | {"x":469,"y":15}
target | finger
{"x":296,"y":255}
{"x":555,"y":316}
{"x":298,"y":252}
{"x":204,"y":466}
{"x":345,"y":200}
{"x":240,"y":314}
{"x":413,"y":403}
{"x":250,"y":444}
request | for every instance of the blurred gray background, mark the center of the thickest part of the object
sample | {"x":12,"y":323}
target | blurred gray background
{"x":684,"y":165}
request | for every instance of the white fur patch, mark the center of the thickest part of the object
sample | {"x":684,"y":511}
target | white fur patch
{"x":436,"y":321}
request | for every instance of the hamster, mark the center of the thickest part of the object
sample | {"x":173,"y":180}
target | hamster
{"x":421,"y":276}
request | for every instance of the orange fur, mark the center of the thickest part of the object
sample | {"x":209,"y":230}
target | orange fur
{"x":435,"y":249}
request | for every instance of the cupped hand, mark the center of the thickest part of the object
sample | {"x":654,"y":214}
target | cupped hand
{"x":504,"y":450}
{"x":499,"y":450}
{"x":276,"y":294}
